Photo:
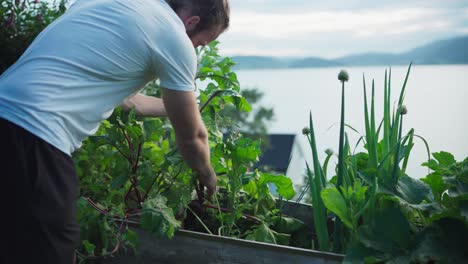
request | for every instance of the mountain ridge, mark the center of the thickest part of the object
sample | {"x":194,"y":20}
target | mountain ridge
{"x":446,"y":51}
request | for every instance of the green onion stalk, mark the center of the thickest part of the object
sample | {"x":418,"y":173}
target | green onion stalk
{"x":343,"y":76}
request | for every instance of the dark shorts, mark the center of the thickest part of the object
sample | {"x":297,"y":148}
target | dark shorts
{"x":38,"y":192}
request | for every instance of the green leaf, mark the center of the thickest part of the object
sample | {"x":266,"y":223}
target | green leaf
{"x":288,"y":225}
{"x":119,"y":181}
{"x":336,"y":203}
{"x":443,"y":242}
{"x":251,"y":189}
{"x":99,"y":140}
{"x":151,"y":127}
{"x":411,"y":190}
{"x":389,"y":231}
{"x":432,"y":164}
{"x":206,"y":70}
{"x":437,"y":184}
{"x":283,"y":184}
{"x":158,"y":218}
{"x":444,"y":158}
{"x":358,"y":253}
{"x":246,"y":150}
{"x":264,"y":234}
{"x":89,"y":247}
{"x":243,"y":105}
{"x":130,"y":237}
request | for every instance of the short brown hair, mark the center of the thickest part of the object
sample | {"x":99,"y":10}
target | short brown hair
{"x":212,"y":13}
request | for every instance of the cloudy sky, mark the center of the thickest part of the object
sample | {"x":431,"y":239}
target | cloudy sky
{"x":333,"y":28}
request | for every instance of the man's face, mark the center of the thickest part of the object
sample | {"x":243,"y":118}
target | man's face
{"x":204,"y":37}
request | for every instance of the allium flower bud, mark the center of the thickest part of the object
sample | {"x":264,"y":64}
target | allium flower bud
{"x":305,"y":131}
{"x":403,"y":110}
{"x":329,"y":151}
{"x":343,"y":76}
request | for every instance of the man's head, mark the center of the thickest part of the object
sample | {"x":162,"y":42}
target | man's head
{"x":204,"y":20}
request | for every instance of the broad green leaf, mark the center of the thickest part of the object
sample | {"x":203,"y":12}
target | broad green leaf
{"x":243,"y":105}
{"x":89,"y":247}
{"x":445,"y":241}
{"x":335,"y":202}
{"x":444,"y":158}
{"x":432,"y":164}
{"x":249,"y":153}
{"x":411,"y":190}
{"x":288,"y":225}
{"x":447,"y":213}
{"x":266,"y":203}
{"x":151,"y":127}
{"x":358,"y":253}
{"x":131,"y":236}
{"x":99,"y":140}
{"x":437,"y":184}
{"x":248,"y":177}
{"x":206,"y":70}
{"x":283,"y":184}
{"x":251,"y":189}
{"x":358,"y":193}
{"x":119,"y":181}
{"x":264,"y":234}
{"x":389,"y":231}
{"x":158,"y":218}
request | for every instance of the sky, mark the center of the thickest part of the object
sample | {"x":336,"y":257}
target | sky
{"x":334,"y":28}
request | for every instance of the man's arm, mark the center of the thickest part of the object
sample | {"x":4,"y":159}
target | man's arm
{"x":191,"y":134}
{"x":145,"y":106}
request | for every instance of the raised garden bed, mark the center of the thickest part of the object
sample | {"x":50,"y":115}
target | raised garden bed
{"x":196,"y":247}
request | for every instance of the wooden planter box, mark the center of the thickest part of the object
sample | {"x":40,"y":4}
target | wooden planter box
{"x":194,"y":247}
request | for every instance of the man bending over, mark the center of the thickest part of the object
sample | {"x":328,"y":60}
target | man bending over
{"x":96,"y":56}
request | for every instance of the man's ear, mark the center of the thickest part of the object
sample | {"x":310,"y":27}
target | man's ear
{"x":191,"y":22}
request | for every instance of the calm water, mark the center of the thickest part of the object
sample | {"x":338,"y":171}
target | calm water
{"x":435,"y":97}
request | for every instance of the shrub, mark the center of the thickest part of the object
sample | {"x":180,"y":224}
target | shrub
{"x":21,"y":21}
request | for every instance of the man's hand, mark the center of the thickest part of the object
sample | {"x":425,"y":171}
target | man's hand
{"x":208,"y":179}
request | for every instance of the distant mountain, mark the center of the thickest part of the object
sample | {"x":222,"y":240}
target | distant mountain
{"x":451,"y":51}
{"x":259,"y":62}
{"x":313,"y":62}
{"x":373,"y":59}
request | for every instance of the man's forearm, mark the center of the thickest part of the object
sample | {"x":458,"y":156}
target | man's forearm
{"x":191,"y":134}
{"x":146,"y":106}
{"x":196,"y":152}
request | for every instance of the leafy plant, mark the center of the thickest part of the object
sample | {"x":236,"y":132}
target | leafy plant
{"x":22,"y":21}
{"x":388,"y":216}
{"x":449,"y":184}
{"x":438,"y":233}
{"x":130,"y":171}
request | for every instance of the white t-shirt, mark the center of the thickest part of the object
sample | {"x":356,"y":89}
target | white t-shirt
{"x":88,"y":61}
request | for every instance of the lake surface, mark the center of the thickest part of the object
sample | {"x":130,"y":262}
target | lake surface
{"x":435,"y":97}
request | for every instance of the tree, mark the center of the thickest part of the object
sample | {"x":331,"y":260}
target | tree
{"x":21,"y":21}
